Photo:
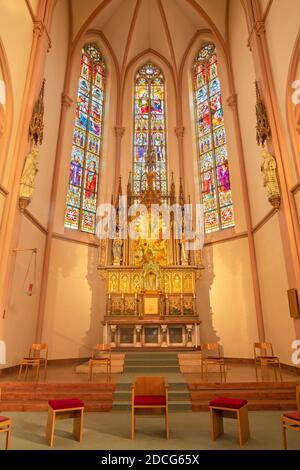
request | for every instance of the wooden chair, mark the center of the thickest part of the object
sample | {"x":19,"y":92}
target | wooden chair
{"x":65,"y":409}
{"x":35,"y":359}
{"x":5,"y":426}
{"x":149,"y":393}
{"x":207,"y":360}
{"x":263,"y":359}
{"x":234,"y":408}
{"x":101,"y":356}
{"x":291,"y":420}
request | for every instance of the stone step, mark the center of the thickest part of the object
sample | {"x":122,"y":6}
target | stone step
{"x":22,"y":396}
{"x":173,"y":396}
{"x":243,"y":385}
{"x":45,"y":396}
{"x":173,"y":406}
{"x":246,"y":395}
{"x":151,"y":364}
{"x":32,"y":386}
{"x":146,"y":353}
{"x":150,"y":369}
{"x":173,"y":386}
{"x":260,"y":395}
{"x":43,"y":406}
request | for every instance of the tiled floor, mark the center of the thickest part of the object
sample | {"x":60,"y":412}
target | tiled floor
{"x":111,"y":431}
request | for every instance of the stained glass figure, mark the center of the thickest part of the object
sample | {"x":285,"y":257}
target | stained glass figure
{"x":87,"y":140}
{"x":211,"y":137}
{"x":149,"y":126}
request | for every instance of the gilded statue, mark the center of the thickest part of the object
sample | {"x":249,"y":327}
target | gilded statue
{"x":268,"y":169}
{"x":146,"y":251}
{"x":117,"y":250}
{"x":30,"y":170}
{"x":151,"y":281}
{"x":183,"y":253}
{"x":151,"y":276}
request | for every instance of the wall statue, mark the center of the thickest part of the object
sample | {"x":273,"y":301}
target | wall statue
{"x":30,"y":170}
{"x":117,"y":251}
{"x":183,"y":252}
{"x":36,"y":129}
{"x":268,"y":169}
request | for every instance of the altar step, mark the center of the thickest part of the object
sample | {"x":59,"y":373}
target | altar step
{"x":164,"y":363}
{"x":117,"y":366}
{"x":179,"y":396}
{"x":154,"y":362}
{"x":260,"y":396}
{"x":23,"y":396}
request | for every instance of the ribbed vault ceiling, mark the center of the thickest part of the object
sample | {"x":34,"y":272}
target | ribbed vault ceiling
{"x":133,"y":26}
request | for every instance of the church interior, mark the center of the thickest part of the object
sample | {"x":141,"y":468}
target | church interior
{"x":149,"y":224}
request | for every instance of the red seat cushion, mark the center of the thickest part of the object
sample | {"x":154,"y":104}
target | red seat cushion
{"x":149,"y":400}
{"x":294,"y":415}
{"x":66,"y":403}
{"x":226,"y":402}
{"x":3,"y":418}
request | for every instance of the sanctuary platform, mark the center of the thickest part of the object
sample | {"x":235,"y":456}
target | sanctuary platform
{"x":187,"y":391}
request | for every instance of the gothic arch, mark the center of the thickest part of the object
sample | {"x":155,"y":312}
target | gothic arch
{"x":293,"y":110}
{"x":6,"y":111}
{"x":143,"y":56}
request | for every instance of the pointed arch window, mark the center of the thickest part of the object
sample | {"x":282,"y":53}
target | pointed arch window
{"x":149,"y":126}
{"x":211,"y":137}
{"x":87,"y":143}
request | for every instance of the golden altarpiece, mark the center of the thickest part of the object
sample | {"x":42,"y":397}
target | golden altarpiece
{"x":150,"y":282}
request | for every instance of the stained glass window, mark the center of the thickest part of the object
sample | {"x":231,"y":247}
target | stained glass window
{"x":149,"y":126}
{"x":87,"y":143}
{"x":211,"y":137}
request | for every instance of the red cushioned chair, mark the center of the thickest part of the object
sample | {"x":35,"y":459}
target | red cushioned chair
{"x":149,"y":393}
{"x":5,"y":426}
{"x":235,"y":408}
{"x":291,"y":420}
{"x":64,"y":409}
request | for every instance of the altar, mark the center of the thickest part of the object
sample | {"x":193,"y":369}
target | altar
{"x":152,"y":332}
{"x":139,"y":317}
{"x":150,"y":281}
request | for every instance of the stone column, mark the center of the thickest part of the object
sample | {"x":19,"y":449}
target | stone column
{"x":196,"y":335}
{"x":113,"y":332}
{"x":164,"y":336}
{"x":11,"y":218}
{"x":119,"y":132}
{"x":194,"y":304}
{"x":66,"y":103}
{"x":138,"y":336}
{"x":108,"y":304}
{"x":179,"y":131}
{"x":105,"y":334}
{"x":233,"y":104}
{"x":167,"y":305}
{"x":287,"y":214}
{"x":189,"y":336}
{"x":181,"y":304}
